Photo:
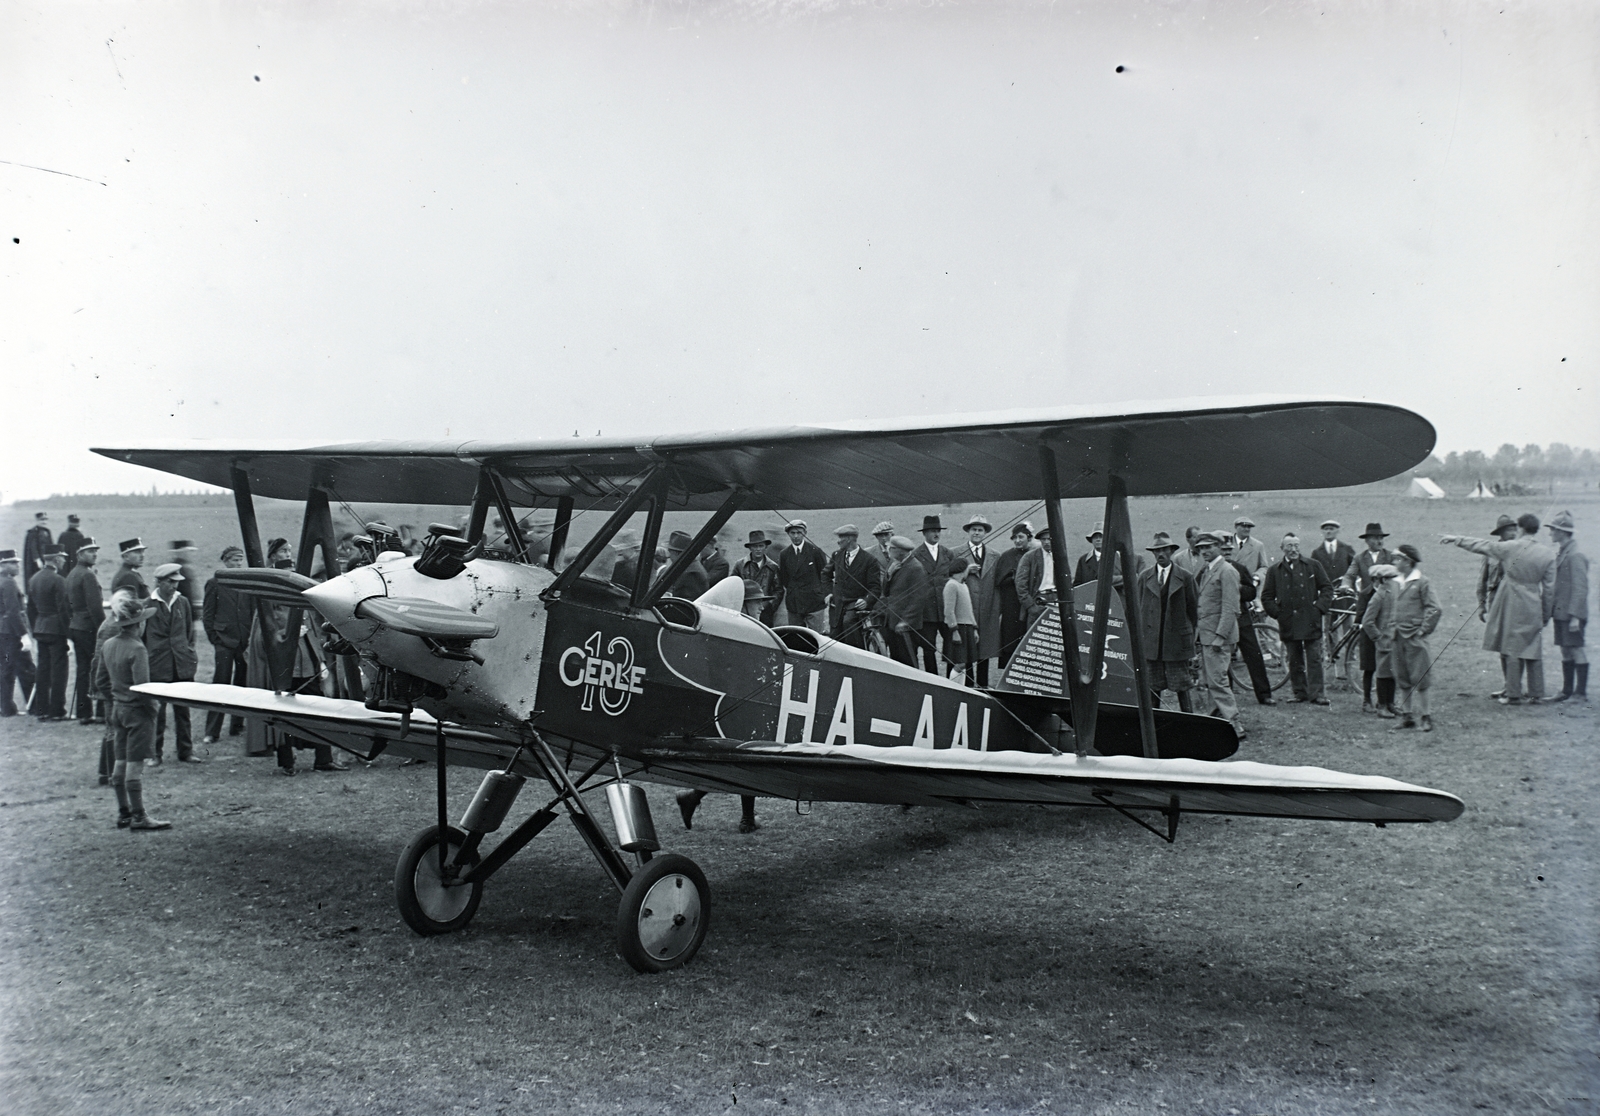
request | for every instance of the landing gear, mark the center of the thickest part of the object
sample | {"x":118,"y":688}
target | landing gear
{"x":430,"y":902}
{"x":663,"y":915}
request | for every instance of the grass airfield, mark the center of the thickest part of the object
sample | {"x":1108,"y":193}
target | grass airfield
{"x":860,"y":959}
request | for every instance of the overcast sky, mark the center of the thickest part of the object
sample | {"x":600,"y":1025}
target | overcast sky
{"x":324,"y":222}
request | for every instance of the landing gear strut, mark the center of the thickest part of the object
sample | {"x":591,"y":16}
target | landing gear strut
{"x":666,"y":904}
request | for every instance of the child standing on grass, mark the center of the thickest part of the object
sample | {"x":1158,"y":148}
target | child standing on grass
{"x":961,"y":648}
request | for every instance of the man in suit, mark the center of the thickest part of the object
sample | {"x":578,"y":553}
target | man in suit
{"x":626,"y":547}
{"x":1297,"y":594}
{"x":33,"y":544}
{"x":226,"y":614}
{"x":87,"y":613}
{"x":1168,"y":612}
{"x":70,"y":542}
{"x":1358,"y":576}
{"x":1188,"y":557}
{"x":1013,"y":618}
{"x":1334,"y":555}
{"x":183,"y":552}
{"x":761,"y":572}
{"x":48,"y":615}
{"x":1248,"y":552}
{"x":856,"y":580}
{"x":936,"y":560}
{"x":692,"y":582}
{"x":1036,"y":580}
{"x":1249,"y":643}
{"x":904,"y":601}
{"x":985,"y":593}
{"x":16,"y":665}
{"x":169,"y":640}
{"x":1088,"y":568}
{"x":127,"y":575}
{"x":1217,"y":622}
{"x":802,"y":574}
{"x":714,"y":562}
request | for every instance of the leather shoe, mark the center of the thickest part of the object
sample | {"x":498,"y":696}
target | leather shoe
{"x":1297,"y":701}
{"x":747,"y":826}
{"x":145,"y":821}
{"x":1427,"y":723}
{"x":283,"y":771}
{"x":124,"y":820}
{"x":331,"y":765}
{"x":1266,"y":701}
{"x":190,"y":759}
{"x":688,"y":802}
{"x":1319,"y":701}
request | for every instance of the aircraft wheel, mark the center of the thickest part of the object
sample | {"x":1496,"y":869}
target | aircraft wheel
{"x":664,"y":913}
{"x":427,"y":905}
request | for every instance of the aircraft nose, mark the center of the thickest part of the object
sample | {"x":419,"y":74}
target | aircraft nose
{"x":336,"y":599}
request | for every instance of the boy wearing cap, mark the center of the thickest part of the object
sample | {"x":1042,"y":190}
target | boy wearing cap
{"x":127,"y":575}
{"x":226,"y":615}
{"x":802,"y":573}
{"x":960,"y":624}
{"x":169,"y":641}
{"x":124,"y":664}
{"x":16,"y":666}
{"x":1571,"y":610}
{"x":87,"y":613}
{"x":48,"y":614}
{"x":763,"y":596}
{"x":1522,"y":606}
{"x":855,"y":578}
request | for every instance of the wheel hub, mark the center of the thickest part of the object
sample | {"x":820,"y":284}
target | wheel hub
{"x":668,"y":917}
{"x":439,"y":898}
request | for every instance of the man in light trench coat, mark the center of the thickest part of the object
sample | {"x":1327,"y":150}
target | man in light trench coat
{"x":1521,"y":607}
{"x":985,"y":594}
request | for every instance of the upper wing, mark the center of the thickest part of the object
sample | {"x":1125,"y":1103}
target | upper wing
{"x":1203,"y":445}
{"x":862,"y":773}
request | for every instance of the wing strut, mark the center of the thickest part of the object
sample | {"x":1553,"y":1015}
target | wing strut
{"x":1119,"y":534}
{"x":558,"y":534}
{"x":608,"y":531}
{"x":707,"y":532}
{"x":1084,"y":694}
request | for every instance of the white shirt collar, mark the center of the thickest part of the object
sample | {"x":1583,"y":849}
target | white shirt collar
{"x":1410,"y":577}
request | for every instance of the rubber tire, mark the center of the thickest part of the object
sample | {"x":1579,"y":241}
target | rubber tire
{"x":1352,"y":660}
{"x":629,"y":945}
{"x":426,"y":844}
{"x":1272,"y":658}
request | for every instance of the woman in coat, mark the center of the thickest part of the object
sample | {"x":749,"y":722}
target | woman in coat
{"x":1522,"y":605}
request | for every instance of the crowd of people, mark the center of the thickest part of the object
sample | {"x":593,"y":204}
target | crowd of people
{"x":958,"y":610}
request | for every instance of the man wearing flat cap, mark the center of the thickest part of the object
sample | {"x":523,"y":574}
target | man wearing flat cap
{"x":169,"y":641}
{"x":904,"y":602}
{"x":692,"y":582}
{"x":16,"y":665}
{"x":984,"y":589}
{"x":226,"y":615}
{"x":1334,"y":555}
{"x":881,"y":535}
{"x":87,"y":613}
{"x":1522,"y":606}
{"x":33,"y":544}
{"x":803,"y":576}
{"x":48,"y":616}
{"x":128,"y":575}
{"x":1248,"y":552}
{"x":763,"y":596}
{"x":1570,"y":613}
{"x":1168,"y":612}
{"x":856,"y":580}
{"x":937,"y":561}
{"x":1217,"y":622}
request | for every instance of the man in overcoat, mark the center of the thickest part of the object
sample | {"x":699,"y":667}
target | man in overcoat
{"x":83,"y":623}
{"x":761,"y":572}
{"x":169,"y":639}
{"x":904,"y":602}
{"x":48,"y":616}
{"x":626,"y":548}
{"x":1297,"y":594}
{"x":855,"y":580}
{"x":985,"y":593}
{"x":16,"y":665}
{"x":33,"y":544}
{"x":226,"y":614}
{"x":1036,"y":580}
{"x":936,"y":560}
{"x":881,"y":535}
{"x":71,"y":541}
{"x":692,"y":581}
{"x":1522,"y":606}
{"x":1217,"y":622}
{"x":1013,"y":618}
{"x":1168,"y":612}
{"x":1571,"y":611}
{"x":1358,"y":576}
{"x":802,"y":573}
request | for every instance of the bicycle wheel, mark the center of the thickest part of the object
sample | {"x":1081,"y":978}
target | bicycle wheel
{"x":1272,"y":657}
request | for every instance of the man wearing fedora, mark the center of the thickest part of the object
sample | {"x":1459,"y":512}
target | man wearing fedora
{"x":855,"y":579}
{"x":71,"y":541}
{"x":803,"y":576}
{"x":1490,"y":573}
{"x":123,"y":664}
{"x":1013,"y":617}
{"x":1358,"y":576}
{"x":1168,"y":612}
{"x":692,"y":582}
{"x":169,"y":640}
{"x":87,"y":613}
{"x":33,"y":544}
{"x":1522,"y":605}
{"x":985,"y":593}
{"x":1571,"y":611}
{"x":760,"y":574}
{"x":1297,"y":594}
{"x":48,"y":615}
{"x":1217,"y":622}
{"x":16,"y":665}
{"x":1088,"y":568}
{"x":937,"y":561}
{"x":128,"y":575}
{"x":714,"y":562}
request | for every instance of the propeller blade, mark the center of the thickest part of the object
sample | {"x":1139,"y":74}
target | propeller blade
{"x":281,"y":587}
{"x":421,"y":617}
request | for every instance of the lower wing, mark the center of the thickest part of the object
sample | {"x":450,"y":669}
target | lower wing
{"x":862,"y":773}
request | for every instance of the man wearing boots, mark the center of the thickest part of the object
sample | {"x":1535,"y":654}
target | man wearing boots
{"x":124,"y":664}
{"x":169,"y":638}
{"x":1571,"y":613}
{"x":48,"y":613}
{"x":87,"y":614}
{"x":1522,"y":605}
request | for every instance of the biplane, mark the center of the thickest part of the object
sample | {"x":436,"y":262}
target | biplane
{"x":533,"y":668}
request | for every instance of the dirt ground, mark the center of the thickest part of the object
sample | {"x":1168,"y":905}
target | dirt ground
{"x":860,"y":959}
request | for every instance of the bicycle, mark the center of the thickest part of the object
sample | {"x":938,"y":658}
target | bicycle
{"x":1272,"y":656}
{"x":1344,"y":649}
